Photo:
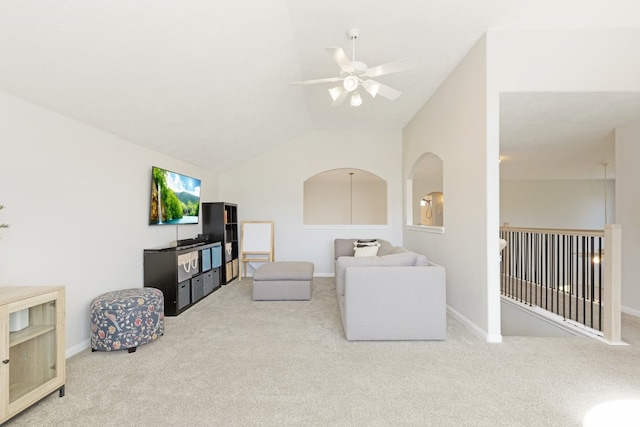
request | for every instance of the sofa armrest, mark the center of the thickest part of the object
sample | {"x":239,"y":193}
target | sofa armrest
{"x":401,"y":303}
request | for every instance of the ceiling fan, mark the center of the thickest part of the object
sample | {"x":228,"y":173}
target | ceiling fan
{"x":355,"y":74}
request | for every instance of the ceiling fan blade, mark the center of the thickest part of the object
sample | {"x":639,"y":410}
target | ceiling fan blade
{"x":311,"y":82}
{"x":375,"y":88}
{"x":341,"y":58}
{"x":340,"y":99}
{"x":372,"y":87}
{"x":391,"y":67}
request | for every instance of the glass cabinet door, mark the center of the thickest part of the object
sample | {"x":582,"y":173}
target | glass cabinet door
{"x":32,"y":347}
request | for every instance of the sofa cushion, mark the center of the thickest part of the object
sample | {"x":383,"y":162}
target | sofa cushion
{"x":421,"y":260}
{"x":398,"y":250}
{"x":343,"y":247}
{"x":386,"y":248}
{"x":399,"y":259}
{"x":405,"y":258}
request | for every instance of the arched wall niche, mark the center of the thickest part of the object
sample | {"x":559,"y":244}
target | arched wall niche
{"x":345,"y":196}
{"x":425,"y":184}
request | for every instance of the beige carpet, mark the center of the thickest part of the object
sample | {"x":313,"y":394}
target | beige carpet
{"x":230,"y":361}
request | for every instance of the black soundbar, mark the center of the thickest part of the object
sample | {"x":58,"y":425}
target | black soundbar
{"x":193,"y":241}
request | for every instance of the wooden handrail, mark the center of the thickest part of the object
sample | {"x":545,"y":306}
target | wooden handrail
{"x":563,"y":231}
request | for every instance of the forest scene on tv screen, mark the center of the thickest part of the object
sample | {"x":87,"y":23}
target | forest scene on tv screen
{"x":175,"y":198}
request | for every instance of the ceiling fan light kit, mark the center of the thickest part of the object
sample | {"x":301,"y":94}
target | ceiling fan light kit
{"x":356,"y":73}
{"x":335,"y":92}
{"x":356,"y":100}
{"x":350,"y":83}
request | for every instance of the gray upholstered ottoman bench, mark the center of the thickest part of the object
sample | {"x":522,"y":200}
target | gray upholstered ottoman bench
{"x":285,"y":280}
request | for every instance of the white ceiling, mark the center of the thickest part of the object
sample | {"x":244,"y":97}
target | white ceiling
{"x":562,"y":135}
{"x":206,"y":81}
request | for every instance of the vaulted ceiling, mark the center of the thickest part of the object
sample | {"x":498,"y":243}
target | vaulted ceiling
{"x":207,"y":81}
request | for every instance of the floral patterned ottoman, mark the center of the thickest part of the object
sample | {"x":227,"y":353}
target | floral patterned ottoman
{"x":126,"y":319}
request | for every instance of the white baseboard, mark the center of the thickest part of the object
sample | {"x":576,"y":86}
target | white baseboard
{"x":82,"y":346}
{"x":631,"y":311}
{"x":491,"y":338}
{"x":494,"y":338}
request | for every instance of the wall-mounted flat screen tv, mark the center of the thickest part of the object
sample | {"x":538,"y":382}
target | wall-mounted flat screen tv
{"x":175,"y":198}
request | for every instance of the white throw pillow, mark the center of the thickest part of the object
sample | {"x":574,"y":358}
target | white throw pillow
{"x":372,"y":242}
{"x":366,"y":250}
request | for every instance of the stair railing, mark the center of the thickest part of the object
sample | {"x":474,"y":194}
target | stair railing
{"x":571,"y":273}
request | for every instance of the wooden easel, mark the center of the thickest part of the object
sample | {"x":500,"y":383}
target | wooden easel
{"x":256,"y":243}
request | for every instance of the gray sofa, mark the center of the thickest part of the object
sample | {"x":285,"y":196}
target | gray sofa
{"x":396,"y":295}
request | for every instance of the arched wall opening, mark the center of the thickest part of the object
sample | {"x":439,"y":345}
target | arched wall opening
{"x":425,"y":191}
{"x":345,"y":196}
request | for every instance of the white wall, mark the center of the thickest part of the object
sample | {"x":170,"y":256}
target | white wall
{"x":603,"y":60}
{"x":567,"y":204}
{"x":452,"y":125}
{"x":522,"y":322}
{"x":270,"y":187}
{"x":628,"y":212}
{"x":77,"y":200}
{"x":460,"y":123}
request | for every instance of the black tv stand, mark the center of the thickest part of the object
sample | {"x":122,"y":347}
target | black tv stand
{"x":184,"y":274}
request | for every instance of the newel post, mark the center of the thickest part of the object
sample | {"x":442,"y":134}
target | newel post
{"x":611,"y":297}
